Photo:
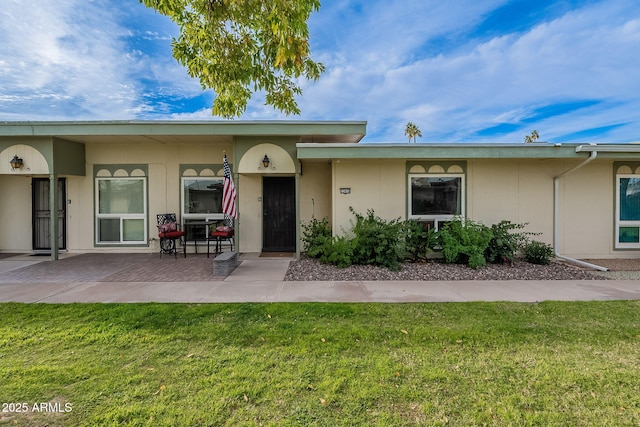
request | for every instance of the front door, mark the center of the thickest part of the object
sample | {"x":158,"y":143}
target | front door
{"x":42,"y":215}
{"x":278,"y":214}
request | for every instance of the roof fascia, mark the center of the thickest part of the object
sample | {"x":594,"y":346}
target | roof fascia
{"x":437,"y":151}
{"x":239,"y":128}
{"x":611,"y":151}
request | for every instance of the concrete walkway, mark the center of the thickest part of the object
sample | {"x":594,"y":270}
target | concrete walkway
{"x":261,"y":280}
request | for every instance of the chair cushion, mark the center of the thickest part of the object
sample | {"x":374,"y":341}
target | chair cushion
{"x":171,"y":234}
{"x":223,"y":231}
{"x":223,"y":234}
{"x":169,"y":226}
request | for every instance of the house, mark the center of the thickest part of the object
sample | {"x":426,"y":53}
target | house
{"x":114,"y":177}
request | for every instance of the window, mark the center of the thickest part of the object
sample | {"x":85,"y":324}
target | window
{"x":628,"y":211}
{"x":201,"y":201}
{"x":435,"y":199}
{"x":202,"y":198}
{"x":121,"y":211}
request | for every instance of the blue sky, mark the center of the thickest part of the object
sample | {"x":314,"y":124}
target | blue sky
{"x":462,"y":70}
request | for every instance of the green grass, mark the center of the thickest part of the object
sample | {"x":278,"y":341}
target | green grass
{"x":318,"y":364}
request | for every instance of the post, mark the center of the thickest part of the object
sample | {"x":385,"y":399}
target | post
{"x":53,"y":215}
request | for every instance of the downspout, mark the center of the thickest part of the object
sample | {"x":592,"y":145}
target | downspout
{"x":556,"y":214}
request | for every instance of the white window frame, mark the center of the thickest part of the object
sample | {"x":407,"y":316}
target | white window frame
{"x":437,"y":219}
{"x":624,"y":223}
{"x":121,"y":217}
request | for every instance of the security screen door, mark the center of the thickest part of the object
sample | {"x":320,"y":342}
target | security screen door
{"x":41,"y":214}
{"x":278,"y":214}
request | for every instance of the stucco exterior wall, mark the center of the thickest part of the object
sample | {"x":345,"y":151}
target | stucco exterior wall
{"x":587,"y":213}
{"x":15,"y":213}
{"x":80,"y":222}
{"x":522,"y":191}
{"x":315,"y":191}
{"x":250,"y":208}
{"x":373,"y":184}
{"x":518,"y":191}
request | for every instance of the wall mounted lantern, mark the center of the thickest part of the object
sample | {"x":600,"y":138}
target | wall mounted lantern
{"x":16,"y":162}
{"x":266,"y":161}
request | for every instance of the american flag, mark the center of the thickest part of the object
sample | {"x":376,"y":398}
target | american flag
{"x":228,"y":194}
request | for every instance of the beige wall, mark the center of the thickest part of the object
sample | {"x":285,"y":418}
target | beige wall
{"x":522,"y":191}
{"x":315,"y":191}
{"x":250,"y":208}
{"x":375,"y":184}
{"x":33,"y":161}
{"x":587,"y":212}
{"x":15,"y":213}
{"x":518,"y":191}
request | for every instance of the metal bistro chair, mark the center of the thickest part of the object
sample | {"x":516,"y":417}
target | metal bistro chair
{"x":220,"y":234}
{"x":169,"y":232}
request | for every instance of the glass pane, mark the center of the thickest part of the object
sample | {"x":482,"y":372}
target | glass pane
{"x":630,"y":199}
{"x":109,"y":230}
{"x":202,"y":196}
{"x":121,"y":196}
{"x":629,"y":235}
{"x":133,"y":230}
{"x":436,"y":195}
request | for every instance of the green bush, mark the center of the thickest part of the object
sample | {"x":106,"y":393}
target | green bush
{"x":339,"y":252}
{"x":377,"y":241}
{"x":505,"y":244}
{"x":465,"y":241}
{"x":419,"y":240}
{"x":316,"y":237}
{"x":538,"y":253}
{"x":387,"y":244}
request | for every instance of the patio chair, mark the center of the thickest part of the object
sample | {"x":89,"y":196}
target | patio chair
{"x":219,"y":235}
{"x":169,"y":233}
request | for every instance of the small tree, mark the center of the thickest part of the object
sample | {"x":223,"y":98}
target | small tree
{"x":533,"y":137}
{"x":412,"y":131}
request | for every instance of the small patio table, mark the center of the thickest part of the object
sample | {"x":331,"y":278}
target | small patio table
{"x":196,"y":237}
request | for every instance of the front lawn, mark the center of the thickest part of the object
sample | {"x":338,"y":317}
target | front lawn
{"x":553,"y":363}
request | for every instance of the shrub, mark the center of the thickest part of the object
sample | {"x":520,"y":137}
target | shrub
{"x":538,"y":253}
{"x":376,"y":241}
{"x":316,"y":237}
{"x":339,"y":252}
{"x":419,"y":240}
{"x":464,"y":242}
{"x":505,"y":244}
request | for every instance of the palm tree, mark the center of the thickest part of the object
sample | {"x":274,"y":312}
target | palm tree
{"x":533,"y":137}
{"x":412,"y":131}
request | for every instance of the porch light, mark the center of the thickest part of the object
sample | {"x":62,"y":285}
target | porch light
{"x":16,"y":162}
{"x":266,"y":161}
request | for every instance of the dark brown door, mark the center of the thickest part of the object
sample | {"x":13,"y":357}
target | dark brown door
{"x":41,"y":214}
{"x":278,"y":214}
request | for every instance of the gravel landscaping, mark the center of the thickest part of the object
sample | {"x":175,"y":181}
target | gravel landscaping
{"x":311,"y":269}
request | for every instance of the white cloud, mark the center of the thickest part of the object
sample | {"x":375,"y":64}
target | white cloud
{"x":584,"y":54}
{"x":70,"y":59}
